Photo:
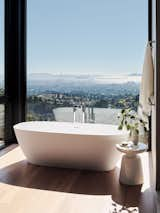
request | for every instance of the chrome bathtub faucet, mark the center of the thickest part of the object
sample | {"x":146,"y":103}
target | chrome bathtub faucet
{"x":83,"y":108}
{"x":74,"y":113}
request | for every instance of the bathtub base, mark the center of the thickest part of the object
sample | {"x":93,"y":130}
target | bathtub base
{"x":74,"y":167}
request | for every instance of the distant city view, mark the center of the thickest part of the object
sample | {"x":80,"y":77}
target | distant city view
{"x":99,"y":97}
{"x":54,"y":97}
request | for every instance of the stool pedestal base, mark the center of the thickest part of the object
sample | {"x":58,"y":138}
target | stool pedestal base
{"x":131,"y":170}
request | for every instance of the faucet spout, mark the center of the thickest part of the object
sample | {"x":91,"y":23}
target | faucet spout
{"x":74,"y":113}
{"x":83,"y":113}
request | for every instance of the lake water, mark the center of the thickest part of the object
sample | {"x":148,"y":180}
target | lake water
{"x":101,"y":115}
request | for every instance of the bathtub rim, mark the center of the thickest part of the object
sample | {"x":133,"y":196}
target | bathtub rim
{"x":107,"y":134}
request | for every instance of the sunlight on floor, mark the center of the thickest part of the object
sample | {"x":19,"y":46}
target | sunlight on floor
{"x":61,"y":201}
{"x":11,"y":157}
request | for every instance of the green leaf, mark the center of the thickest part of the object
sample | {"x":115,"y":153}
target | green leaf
{"x":132,"y":117}
{"x":120,"y":127}
{"x":145,"y":129}
{"x":137,"y":131}
{"x":123,"y":111}
{"x":128,"y":127}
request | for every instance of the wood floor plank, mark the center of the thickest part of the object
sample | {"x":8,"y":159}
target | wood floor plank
{"x":26,"y":188}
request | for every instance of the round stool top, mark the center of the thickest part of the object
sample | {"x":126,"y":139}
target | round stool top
{"x":130,"y":148}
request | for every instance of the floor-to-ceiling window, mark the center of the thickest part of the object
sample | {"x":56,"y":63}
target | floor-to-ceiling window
{"x":1,"y":72}
{"x":84,"y":57}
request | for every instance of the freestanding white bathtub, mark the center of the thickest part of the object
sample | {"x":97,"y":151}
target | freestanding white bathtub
{"x":71,"y":145}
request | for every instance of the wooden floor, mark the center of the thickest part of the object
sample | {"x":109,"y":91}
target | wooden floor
{"x":25,"y":188}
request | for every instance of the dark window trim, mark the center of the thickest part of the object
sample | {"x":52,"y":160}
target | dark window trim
{"x":15,"y":66}
{"x":157,"y":94}
{"x":3,"y":99}
{"x":150,"y":39}
{"x":149,"y":20}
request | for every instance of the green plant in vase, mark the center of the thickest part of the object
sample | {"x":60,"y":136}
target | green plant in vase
{"x":130,"y":121}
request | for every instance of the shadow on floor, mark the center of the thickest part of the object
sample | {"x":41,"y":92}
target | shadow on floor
{"x":72,"y":181}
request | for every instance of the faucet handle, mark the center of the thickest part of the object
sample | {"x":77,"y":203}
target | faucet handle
{"x":74,"y":108}
{"x":83,"y":107}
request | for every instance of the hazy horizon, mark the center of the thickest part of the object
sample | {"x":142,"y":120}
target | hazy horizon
{"x":76,"y":77}
{"x":81,"y":78}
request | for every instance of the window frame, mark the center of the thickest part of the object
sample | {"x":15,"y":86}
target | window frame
{"x":15,"y":64}
{"x":157,"y":96}
{"x":2,"y":97}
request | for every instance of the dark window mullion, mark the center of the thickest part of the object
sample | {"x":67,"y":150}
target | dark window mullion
{"x":3,"y":100}
{"x":15,"y":65}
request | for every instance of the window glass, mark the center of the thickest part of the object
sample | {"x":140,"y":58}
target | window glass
{"x":84,"y":58}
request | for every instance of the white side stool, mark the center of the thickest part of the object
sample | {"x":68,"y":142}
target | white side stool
{"x":131,"y":167}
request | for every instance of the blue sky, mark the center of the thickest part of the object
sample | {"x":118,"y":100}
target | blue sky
{"x":86,"y":36}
